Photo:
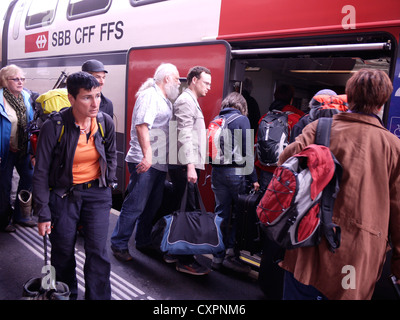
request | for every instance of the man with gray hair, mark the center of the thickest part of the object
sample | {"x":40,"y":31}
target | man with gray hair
{"x":147,"y":160}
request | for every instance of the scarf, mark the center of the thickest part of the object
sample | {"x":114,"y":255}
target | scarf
{"x":20,"y":109}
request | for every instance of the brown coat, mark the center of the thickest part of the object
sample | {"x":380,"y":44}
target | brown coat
{"x":367,"y":209}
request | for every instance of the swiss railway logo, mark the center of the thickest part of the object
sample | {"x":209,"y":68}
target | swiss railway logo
{"x":37,"y":42}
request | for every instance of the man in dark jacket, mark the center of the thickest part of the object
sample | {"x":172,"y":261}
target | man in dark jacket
{"x":96,"y":69}
{"x":75,"y":167}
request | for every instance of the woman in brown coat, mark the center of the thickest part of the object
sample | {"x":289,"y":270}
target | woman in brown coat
{"x":368,"y":205}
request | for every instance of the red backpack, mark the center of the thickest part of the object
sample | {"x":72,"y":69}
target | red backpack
{"x":296,"y":209}
{"x":219,"y":139}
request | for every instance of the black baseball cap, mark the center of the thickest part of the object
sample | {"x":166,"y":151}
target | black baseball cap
{"x":93,"y":66}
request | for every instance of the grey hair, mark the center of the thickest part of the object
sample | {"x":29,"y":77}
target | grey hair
{"x":164,"y":70}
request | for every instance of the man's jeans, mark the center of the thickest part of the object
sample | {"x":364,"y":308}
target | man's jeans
{"x":227,"y":185}
{"x":145,"y":192}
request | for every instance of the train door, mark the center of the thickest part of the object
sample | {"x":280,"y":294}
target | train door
{"x":142,"y":63}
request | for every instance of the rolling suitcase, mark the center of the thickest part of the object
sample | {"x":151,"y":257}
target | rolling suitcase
{"x":45,"y":288}
{"x":248,"y":236}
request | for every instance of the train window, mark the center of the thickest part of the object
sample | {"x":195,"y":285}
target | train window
{"x":136,"y":3}
{"x":82,"y":8}
{"x":40,"y":13}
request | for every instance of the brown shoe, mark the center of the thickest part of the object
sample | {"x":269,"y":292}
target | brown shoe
{"x":121,"y":255}
{"x":9,"y":228}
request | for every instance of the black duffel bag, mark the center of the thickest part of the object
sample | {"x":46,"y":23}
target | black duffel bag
{"x":189,"y":233}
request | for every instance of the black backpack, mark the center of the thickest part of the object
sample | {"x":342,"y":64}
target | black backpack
{"x":272,"y":137}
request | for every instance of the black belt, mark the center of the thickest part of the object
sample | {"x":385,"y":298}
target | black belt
{"x":87,"y":185}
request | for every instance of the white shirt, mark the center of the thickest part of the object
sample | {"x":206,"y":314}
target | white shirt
{"x":155,"y":110}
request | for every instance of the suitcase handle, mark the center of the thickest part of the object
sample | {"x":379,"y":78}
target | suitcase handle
{"x":45,"y":249}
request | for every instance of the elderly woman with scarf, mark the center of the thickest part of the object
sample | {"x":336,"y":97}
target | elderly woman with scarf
{"x":15,"y":113}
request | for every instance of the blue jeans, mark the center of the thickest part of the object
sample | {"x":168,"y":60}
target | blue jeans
{"x":265,"y":179}
{"x":226,"y":185}
{"x":25,"y":171}
{"x":144,"y":197}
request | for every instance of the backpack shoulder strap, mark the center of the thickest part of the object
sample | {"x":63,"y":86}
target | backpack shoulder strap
{"x":58,"y":122}
{"x":233,"y":118}
{"x":323,"y":134}
{"x":101,"y":124}
{"x":331,"y":231}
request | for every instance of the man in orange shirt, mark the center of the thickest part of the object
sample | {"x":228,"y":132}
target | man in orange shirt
{"x":75,"y":167}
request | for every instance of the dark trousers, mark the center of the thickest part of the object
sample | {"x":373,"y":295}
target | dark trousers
{"x":91,"y":209}
{"x":178,"y":175}
{"x":295,"y":290}
{"x":25,"y":171}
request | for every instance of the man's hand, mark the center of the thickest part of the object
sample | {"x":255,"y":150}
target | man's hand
{"x":191,"y":173}
{"x":256,"y":186}
{"x":44,"y":228}
{"x":142,"y":131}
{"x":143,"y":166}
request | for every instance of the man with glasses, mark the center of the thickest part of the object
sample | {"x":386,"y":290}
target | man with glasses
{"x":190,"y":157}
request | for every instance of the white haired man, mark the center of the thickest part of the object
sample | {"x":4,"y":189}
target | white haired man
{"x":150,"y":125}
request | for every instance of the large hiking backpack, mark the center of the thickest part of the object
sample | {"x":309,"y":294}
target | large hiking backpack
{"x":326,"y":106}
{"x":52,"y":101}
{"x":219,"y":138}
{"x":296,"y":209}
{"x":272,"y":137}
{"x":322,"y":106}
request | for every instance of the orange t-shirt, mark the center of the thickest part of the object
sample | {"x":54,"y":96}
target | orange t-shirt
{"x":86,"y":166}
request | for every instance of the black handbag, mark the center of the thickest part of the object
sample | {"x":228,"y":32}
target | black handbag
{"x":189,"y":233}
{"x":44,"y":288}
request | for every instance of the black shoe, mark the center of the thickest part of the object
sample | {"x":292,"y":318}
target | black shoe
{"x":29,"y":223}
{"x":235,"y":264}
{"x":149,"y":251}
{"x":122,"y":255}
{"x":170,"y":258}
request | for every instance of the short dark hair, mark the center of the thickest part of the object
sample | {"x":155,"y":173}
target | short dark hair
{"x":196,"y":72}
{"x":368,"y":90}
{"x":284,"y":92}
{"x":81,"y":80}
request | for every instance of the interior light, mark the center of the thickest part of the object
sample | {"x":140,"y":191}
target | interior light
{"x":323,"y":71}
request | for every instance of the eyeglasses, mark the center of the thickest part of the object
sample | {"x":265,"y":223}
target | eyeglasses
{"x":16,"y":80}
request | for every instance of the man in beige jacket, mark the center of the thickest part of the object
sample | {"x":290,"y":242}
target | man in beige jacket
{"x":188,"y":159}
